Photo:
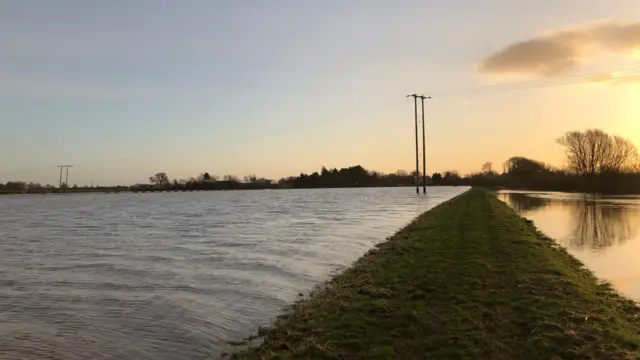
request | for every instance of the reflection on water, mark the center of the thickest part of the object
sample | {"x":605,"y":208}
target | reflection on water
{"x":596,"y":222}
{"x":599,"y":224}
{"x":523,"y":202}
{"x":603,"y":232}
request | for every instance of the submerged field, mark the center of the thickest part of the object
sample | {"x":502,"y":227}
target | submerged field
{"x":468,"y":279}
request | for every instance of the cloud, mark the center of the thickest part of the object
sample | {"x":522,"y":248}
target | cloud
{"x":616,"y":78}
{"x":558,"y":52}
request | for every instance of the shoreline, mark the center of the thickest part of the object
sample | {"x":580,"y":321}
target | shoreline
{"x":145,"y":191}
{"x":125,"y":190}
{"x":468,"y":279}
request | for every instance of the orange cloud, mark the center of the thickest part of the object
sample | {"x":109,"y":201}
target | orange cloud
{"x":558,"y":52}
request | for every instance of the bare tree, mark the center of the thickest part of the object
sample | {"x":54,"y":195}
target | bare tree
{"x":160,"y":179}
{"x":594,"y":152}
{"x":623,"y":156}
{"x":487,"y":168}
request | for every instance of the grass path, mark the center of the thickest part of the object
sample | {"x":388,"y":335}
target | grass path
{"x":469,"y":279}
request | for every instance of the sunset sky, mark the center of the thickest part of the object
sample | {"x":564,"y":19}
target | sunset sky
{"x":125,"y":89}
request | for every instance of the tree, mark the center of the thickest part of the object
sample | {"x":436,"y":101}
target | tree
{"x":16,"y":185}
{"x":437,"y":178}
{"x":160,"y":179}
{"x":451,"y":174}
{"x":593,"y":152}
{"x":487,"y":168}
{"x":206,"y":177}
{"x":230,"y":178}
{"x":252,"y":177}
{"x":376,"y":174}
{"x":33,"y":186}
{"x":522,"y":167}
{"x":451,"y":177}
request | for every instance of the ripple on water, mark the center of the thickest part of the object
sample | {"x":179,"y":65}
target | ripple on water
{"x":174,"y":276}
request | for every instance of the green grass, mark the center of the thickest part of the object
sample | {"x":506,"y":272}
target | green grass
{"x":469,"y":279}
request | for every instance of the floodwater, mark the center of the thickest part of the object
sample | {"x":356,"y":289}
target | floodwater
{"x":602,"y":231}
{"x":176,"y":275}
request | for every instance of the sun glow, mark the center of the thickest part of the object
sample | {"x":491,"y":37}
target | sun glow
{"x":617,"y":74}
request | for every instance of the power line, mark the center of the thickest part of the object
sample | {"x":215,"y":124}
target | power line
{"x":277,"y":129}
{"x":554,"y":81}
{"x":603,"y":76}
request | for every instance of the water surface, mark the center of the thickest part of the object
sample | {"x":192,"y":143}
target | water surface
{"x":175,"y":275}
{"x":601,"y":231}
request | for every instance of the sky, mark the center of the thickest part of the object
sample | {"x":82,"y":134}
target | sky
{"x":125,"y":89}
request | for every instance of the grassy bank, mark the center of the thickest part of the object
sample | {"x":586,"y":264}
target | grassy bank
{"x":469,"y":279}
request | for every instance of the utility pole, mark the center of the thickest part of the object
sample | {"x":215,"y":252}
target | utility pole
{"x":60,"y":183}
{"x":66,"y":181}
{"x":424,"y":149}
{"x":415,"y":108}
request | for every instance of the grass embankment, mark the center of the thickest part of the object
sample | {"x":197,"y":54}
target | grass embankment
{"x":468,"y":279}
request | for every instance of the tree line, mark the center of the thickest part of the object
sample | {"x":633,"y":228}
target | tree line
{"x":595,"y":162}
{"x":354,"y":176}
{"x":23,"y":187}
{"x":205,"y":181}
